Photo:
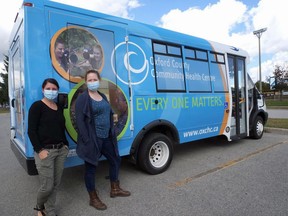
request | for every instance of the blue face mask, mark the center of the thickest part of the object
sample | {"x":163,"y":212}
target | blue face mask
{"x":50,"y":94}
{"x":93,"y":86}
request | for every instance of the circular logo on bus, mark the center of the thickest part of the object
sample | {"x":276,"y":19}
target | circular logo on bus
{"x":116,"y":98}
{"x":75,"y":50}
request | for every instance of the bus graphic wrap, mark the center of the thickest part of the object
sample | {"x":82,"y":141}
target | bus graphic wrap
{"x":165,"y":88}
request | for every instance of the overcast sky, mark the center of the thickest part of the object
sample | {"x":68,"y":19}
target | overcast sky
{"x":227,"y":21}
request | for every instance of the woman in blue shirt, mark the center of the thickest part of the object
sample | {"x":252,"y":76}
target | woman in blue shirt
{"x":96,"y":137}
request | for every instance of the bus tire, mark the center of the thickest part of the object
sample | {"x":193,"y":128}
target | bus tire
{"x":257,"y":128}
{"x":155,"y":153}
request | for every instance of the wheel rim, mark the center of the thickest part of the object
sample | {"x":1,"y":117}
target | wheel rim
{"x":159,"y":154}
{"x":259,"y":128}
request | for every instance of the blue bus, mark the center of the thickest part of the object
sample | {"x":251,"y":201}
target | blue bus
{"x":166,"y":88}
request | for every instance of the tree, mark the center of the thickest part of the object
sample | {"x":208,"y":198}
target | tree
{"x":265,"y":86}
{"x":280,"y":76}
{"x":4,"y":98}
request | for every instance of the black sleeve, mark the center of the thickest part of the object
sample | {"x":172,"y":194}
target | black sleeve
{"x":33,"y":125}
{"x":64,"y":136}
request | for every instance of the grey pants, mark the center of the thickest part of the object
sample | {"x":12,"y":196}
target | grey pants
{"x":50,"y":172}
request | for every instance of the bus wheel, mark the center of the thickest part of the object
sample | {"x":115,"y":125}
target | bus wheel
{"x":257,"y":128}
{"x":155,"y":153}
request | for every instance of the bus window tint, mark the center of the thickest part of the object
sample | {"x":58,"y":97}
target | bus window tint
{"x":169,"y":68}
{"x":213,"y":57}
{"x":201,"y":54}
{"x":159,"y":48}
{"x":220,"y":58}
{"x":190,"y":53}
{"x":174,"y":50}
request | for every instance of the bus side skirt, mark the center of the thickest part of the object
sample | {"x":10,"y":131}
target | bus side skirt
{"x":27,"y":163}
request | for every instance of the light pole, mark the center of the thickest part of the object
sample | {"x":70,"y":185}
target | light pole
{"x":258,"y":33}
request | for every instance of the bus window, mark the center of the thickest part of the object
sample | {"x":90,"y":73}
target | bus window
{"x":174,"y":50}
{"x":169,"y":71}
{"x":217,"y":57}
{"x":159,"y":48}
{"x":189,"y":53}
{"x":218,"y":72}
{"x":197,"y":71}
{"x":200,"y":54}
{"x":220,"y":58}
{"x":198,"y":77}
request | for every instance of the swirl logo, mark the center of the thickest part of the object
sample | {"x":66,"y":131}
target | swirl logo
{"x":131,"y":58}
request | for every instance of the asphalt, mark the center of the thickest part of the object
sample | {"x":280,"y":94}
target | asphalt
{"x":278,"y":113}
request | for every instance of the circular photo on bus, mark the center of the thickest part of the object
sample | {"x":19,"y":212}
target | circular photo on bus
{"x":75,"y":50}
{"x":116,"y":98}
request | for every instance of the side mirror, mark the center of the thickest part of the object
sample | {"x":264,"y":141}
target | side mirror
{"x":63,"y":100}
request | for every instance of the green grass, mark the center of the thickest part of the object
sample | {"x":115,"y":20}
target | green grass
{"x":4,"y":110}
{"x":277,"y":123}
{"x":277,"y":103}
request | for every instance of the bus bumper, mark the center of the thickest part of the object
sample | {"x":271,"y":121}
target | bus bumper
{"x":27,"y":163}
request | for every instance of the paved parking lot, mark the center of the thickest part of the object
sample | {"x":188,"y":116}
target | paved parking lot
{"x":210,"y":177}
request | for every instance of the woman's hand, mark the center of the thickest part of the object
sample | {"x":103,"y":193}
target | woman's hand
{"x":43,"y":154}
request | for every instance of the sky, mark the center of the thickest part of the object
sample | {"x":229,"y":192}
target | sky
{"x":230,"y":22}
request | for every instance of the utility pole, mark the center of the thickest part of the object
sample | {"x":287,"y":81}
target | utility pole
{"x":259,"y":33}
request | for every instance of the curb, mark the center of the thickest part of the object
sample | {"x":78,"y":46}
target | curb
{"x":276,"y":130}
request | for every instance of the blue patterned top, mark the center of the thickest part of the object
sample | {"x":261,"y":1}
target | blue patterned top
{"x":101,"y":114}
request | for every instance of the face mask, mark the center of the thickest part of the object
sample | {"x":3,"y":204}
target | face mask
{"x":50,"y":94}
{"x":93,"y":86}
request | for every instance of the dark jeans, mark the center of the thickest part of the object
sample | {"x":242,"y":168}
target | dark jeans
{"x":114,"y":160}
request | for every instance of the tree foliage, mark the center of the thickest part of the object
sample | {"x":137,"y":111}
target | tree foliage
{"x":265,"y":86}
{"x":4,"y":83}
{"x":281,"y":77}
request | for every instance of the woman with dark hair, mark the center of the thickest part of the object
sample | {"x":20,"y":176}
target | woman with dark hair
{"x":96,"y":137}
{"x":46,"y":131}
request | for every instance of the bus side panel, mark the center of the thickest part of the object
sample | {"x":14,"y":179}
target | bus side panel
{"x":196,"y":115}
{"x":18,"y":95}
{"x":36,"y":68}
{"x":81,"y":35}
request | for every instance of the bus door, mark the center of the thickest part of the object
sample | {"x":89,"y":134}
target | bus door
{"x":97,"y":44}
{"x":16,"y":92}
{"x":237,"y":76}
